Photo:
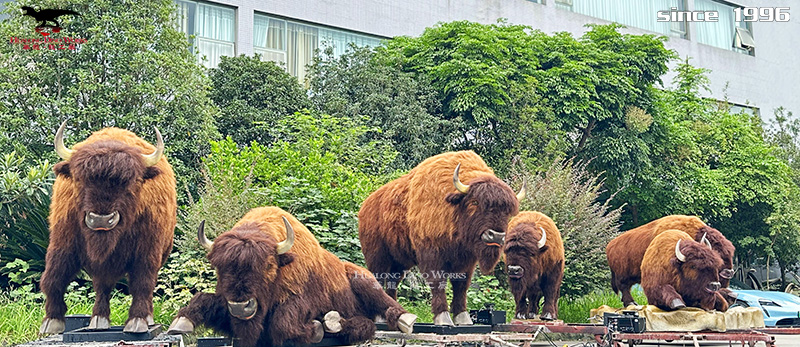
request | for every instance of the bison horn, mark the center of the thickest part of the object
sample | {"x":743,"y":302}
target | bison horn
{"x":522,"y":191}
{"x":201,"y":236}
{"x":678,"y":254}
{"x":543,"y":240}
{"x":461,"y":187}
{"x":285,"y":245}
{"x":62,"y":151}
{"x":152,"y":159}
{"x":705,"y":241}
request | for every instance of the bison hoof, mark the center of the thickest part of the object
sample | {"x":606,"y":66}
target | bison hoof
{"x":630,"y":303}
{"x":180,"y":325}
{"x":99,"y":323}
{"x":547,"y":316}
{"x":150,"y":320}
{"x":677,"y":304}
{"x":520,"y":316}
{"x":52,"y":326}
{"x":332,"y":322}
{"x":532,"y":315}
{"x":463,"y":319}
{"x":443,"y":319}
{"x":380,"y":319}
{"x":136,"y":325}
{"x":406,"y":322}
{"x":318,"y":333}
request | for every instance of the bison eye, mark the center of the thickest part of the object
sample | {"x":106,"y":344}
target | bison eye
{"x":473,"y":203}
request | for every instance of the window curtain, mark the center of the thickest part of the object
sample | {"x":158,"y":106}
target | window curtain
{"x":269,"y":32}
{"x":215,"y":30}
{"x":340,"y":41}
{"x":302,"y":40}
{"x":719,"y":34}
{"x":641,"y":14}
{"x":183,"y":17}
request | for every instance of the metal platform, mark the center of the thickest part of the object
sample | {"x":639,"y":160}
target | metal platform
{"x":443,"y":340}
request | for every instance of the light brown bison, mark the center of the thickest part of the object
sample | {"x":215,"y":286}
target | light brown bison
{"x":534,"y":260}
{"x":431,"y":219}
{"x":113,"y":213}
{"x":678,"y":271}
{"x":626,"y":251}
{"x":275,"y":283}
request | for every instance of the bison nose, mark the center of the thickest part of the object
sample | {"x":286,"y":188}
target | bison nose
{"x":713,"y":287}
{"x":515,"y":271}
{"x":726,"y":274}
{"x":243,"y":310}
{"x":493,"y":238}
{"x":101,"y":222}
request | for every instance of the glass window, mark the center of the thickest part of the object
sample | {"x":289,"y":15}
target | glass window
{"x":641,"y":14}
{"x":294,"y":44}
{"x":721,"y":33}
{"x":214,"y":29}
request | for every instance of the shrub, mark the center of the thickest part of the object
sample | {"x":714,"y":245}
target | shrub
{"x":570,"y":195}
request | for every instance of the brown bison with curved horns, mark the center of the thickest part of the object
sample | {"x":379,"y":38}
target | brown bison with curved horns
{"x":431,"y":219}
{"x":270,"y":291}
{"x":678,"y":271}
{"x":625,"y":252}
{"x":535,"y":264}
{"x":113,"y":213}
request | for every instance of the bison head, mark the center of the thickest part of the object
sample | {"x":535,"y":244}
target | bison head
{"x":247,"y":261}
{"x":697,"y":267}
{"x":723,"y":247}
{"x":109,"y":176}
{"x":523,"y":249}
{"x":482,"y":210}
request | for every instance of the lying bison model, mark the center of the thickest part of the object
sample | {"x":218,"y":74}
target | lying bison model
{"x":678,"y":271}
{"x":626,"y":251}
{"x":535,"y":264}
{"x":431,"y":219}
{"x":113,"y":213}
{"x":275,"y":283}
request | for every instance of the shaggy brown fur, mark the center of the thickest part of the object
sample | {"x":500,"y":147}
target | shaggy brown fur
{"x":291,"y":289}
{"x":104,"y":174}
{"x":421,"y":219}
{"x":542,"y":268}
{"x":669,"y":283}
{"x":625,"y":252}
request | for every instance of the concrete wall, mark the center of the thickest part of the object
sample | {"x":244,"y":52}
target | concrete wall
{"x":766,"y":80}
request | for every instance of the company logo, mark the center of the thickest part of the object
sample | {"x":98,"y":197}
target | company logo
{"x":47,"y":24}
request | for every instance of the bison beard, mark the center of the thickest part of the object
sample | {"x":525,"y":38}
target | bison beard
{"x":294,"y":288}
{"x":430,"y":219}
{"x":678,"y":272}
{"x":535,"y":268}
{"x":626,"y":251}
{"x":113,"y":213}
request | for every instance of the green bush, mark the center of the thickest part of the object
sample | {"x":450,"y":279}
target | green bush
{"x":570,"y":195}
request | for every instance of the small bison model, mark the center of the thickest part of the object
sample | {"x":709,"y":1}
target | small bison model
{"x":534,"y":260}
{"x":113,"y":213}
{"x":275,"y":283}
{"x":678,"y":271}
{"x":626,"y":251}
{"x":431,"y":219}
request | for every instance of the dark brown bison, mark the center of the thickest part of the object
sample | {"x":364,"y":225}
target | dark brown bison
{"x":275,"y":283}
{"x":678,"y":271}
{"x":626,"y":251}
{"x":535,"y":264}
{"x":431,"y":219}
{"x":113,"y":213}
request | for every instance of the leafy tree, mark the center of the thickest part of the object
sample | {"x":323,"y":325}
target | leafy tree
{"x":252,"y":96}
{"x":135,"y":71}
{"x":359,"y":85}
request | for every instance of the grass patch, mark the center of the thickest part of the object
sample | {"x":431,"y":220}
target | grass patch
{"x":576,"y":310}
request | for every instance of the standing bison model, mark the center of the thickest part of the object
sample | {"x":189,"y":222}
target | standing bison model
{"x":678,"y":271}
{"x":275,"y":283}
{"x":431,"y":219}
{"x":535,"y":264}
{"x":625,"y":252}
{"x":113,"y":213}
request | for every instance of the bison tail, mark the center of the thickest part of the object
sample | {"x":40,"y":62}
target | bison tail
{"x":614,"y":283}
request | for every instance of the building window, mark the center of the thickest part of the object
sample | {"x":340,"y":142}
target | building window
{"x":213,"y":27}
{"x":726,"y":32}
{"x":642,"y":14}
{"x":294,"y":44}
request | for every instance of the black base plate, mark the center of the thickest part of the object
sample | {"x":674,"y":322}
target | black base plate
{"x":444,"y":329}
{"x":327,"y":341}
{"x":115,"y":333}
